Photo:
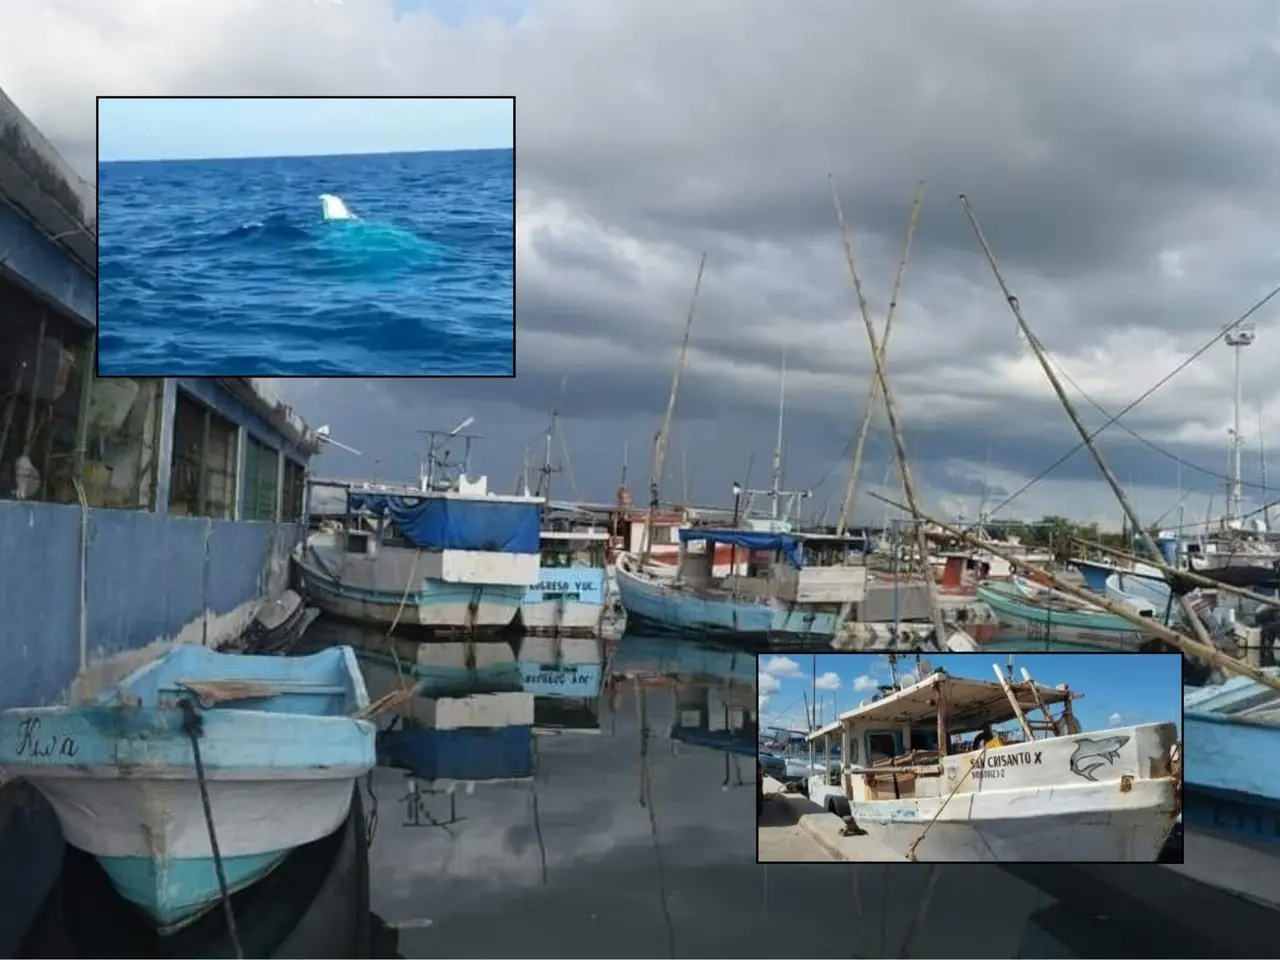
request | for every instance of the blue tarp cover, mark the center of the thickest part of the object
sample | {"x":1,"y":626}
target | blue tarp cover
{"x":439,"y":523}
{"x":749,"y":540}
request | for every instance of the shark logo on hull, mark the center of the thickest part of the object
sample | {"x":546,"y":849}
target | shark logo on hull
{"x":334,"y":209}
{"x":1091,"y":754}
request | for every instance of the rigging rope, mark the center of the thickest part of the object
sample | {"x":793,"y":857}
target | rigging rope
{"x":1275,"y":291}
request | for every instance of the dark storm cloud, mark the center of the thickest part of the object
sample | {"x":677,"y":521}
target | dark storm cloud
{"x":1120,"y":157}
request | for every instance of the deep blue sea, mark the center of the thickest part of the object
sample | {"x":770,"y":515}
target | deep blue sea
{"x":228,"y":267}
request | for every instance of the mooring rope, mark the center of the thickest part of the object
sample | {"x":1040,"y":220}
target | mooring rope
{"x":193,"y":725}
{"x":911,"y":850}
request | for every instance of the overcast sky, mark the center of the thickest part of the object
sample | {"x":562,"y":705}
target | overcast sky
{"x":1120,"y":157}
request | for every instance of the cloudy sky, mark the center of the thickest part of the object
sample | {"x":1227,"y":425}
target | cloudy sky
{"x":1120,"y":157}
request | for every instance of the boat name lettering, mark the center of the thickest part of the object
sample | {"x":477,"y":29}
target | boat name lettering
{"x":31,"y":744}
{"x":557,"y":677}
{"x":564,"y":586}
{"x":1019,"y":758}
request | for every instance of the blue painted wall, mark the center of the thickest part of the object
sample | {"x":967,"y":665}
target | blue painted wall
{"x":148,"y":575}
{"x":46,"y":268}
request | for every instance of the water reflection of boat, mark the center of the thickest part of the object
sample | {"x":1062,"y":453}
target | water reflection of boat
{"x":715,"y":689}
{"x":565,"y":676}
{"x":314,"y":904}
{"x":124,"y":773}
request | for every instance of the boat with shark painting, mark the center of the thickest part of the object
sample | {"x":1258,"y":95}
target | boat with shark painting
{"x":924,"y":774}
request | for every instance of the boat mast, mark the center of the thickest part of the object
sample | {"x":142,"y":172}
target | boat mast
{"x":776,"y":493}
{"x":1262,"y":468}
{"x":1148,"y":542}
{"x":891,"y":411}
{"x":847,"y":502}
{"x":544,"y":478}
{"x":664,"y":432}
{"x":1237,"y":339}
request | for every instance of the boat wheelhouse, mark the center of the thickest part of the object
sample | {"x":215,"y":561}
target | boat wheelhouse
{"x":569,"y":596}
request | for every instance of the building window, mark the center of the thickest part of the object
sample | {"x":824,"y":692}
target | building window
{"x":122,"y":438}
{"x":203,"y":480}
{"x":42,"y":359}
{"x":293,"y":491}
{"x":261,"y":480}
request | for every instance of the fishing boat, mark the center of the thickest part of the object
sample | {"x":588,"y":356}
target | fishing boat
{"x":271,"y":745}
{"x":455,"y":560}
{"x":797,"y":586}
{"x":916,"y":783}
{"x":569,"y":597}
{"x":1040,"y":612}
{"x":1231,"y":810}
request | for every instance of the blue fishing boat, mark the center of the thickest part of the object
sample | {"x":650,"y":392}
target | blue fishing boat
{"x":1231,"y":786}
{"x":796,"y":585}
{"x":272,"y":746}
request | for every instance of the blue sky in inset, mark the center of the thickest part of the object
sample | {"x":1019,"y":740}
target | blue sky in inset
{"x":1118,"y":689}
{"x":179,"y":128}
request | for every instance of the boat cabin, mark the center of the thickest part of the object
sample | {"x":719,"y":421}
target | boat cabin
{"x":567,"y":542}
{"x":812,"y":569}
{"x":916,"y":741}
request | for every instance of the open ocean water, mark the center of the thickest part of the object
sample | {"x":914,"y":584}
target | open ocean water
{"x":227,"y":267}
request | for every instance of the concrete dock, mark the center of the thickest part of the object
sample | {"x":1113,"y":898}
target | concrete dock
{"x":794,"y":829}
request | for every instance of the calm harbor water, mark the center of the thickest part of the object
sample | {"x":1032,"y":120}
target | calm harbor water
{"x":629,"y":843}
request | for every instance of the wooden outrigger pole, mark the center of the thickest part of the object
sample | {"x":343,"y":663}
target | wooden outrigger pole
{"x":1187,"y":645}
{"x":664,"y":432}
{"x":1038,"y":348}
{"x":891,"y":411}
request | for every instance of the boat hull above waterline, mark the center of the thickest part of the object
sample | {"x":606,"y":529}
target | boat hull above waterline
{"x":657,"y":606}
{"x":435,"y":605}
{"x":1094,"y":628}
{"x":987,"y":827}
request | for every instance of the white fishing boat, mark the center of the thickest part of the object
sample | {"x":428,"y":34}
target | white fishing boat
{"x":447,"y":557}
{"x":917,"y":780}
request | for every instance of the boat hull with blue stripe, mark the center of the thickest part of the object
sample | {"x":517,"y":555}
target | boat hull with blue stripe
{"x":281,"y":750}
{"x":1231,"y":787}
{"x":795,"y":601}
{"x":1055,"y":618}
